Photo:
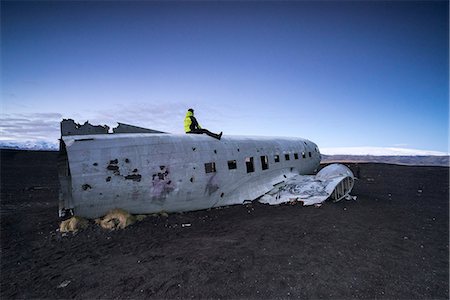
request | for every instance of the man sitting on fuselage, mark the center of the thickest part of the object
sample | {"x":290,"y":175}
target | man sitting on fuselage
{"x":191,"y":126}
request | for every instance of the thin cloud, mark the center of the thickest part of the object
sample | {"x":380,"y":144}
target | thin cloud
{"x":29,"y":127}
{"x":166,"y":117}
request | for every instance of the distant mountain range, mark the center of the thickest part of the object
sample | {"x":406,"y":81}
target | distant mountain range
{"x":380,"y":151}
{"x":30,"y":145}
{"x":360,"y":154}
{"x":400,"y":156}
{"x":427,"y":160}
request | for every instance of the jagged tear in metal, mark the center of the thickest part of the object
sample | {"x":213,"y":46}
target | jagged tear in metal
{"x":335,"y":181}
{"x":69,"y":127}
{"x":146,"y":171}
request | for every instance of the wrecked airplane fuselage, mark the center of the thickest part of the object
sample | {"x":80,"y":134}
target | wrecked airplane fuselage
{"x":153,"y":172}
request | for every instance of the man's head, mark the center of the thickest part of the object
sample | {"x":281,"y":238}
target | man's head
{"x":191,"y":110}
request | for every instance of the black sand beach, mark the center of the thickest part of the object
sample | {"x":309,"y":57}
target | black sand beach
{"x":391,"y":243}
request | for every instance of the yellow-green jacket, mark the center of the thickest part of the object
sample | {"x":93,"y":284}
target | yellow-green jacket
{"x":188,"y":120}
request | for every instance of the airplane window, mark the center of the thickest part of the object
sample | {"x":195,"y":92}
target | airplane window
{"x":286,"y":156}
{"x":249,"y":164}
{"x":303,"y":155}
{"x":210,"y":167}
{"x":296,"y":155}
{"x":277,"y":158}
{"x":232,"y":164}
{"x":264,"y":162}
{"x":309,"y":154}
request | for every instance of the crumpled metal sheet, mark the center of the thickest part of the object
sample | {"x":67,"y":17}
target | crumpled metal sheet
{"x":310,"y":189}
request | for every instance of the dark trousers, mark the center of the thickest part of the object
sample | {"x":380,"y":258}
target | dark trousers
{"x":201,"y":131}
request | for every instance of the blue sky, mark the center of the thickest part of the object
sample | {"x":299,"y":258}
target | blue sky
{"x":342,"y":74}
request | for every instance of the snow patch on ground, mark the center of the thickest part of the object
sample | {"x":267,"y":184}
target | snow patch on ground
{"x":29,"y":145}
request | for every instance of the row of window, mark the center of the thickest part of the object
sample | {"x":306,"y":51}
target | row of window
{"x":211,"y":166}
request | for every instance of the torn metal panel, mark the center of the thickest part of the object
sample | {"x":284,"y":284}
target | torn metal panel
{"x":69,"y":127}
{"x":125,"y":128}
{"x":335,"y":181}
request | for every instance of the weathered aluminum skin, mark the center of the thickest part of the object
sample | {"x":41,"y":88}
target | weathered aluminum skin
{"x":147,"y":173}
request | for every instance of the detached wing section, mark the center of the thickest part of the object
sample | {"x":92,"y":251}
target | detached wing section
{"x":334,"y":181}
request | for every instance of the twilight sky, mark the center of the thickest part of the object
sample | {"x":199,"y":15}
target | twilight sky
{"x":342,"y":74}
